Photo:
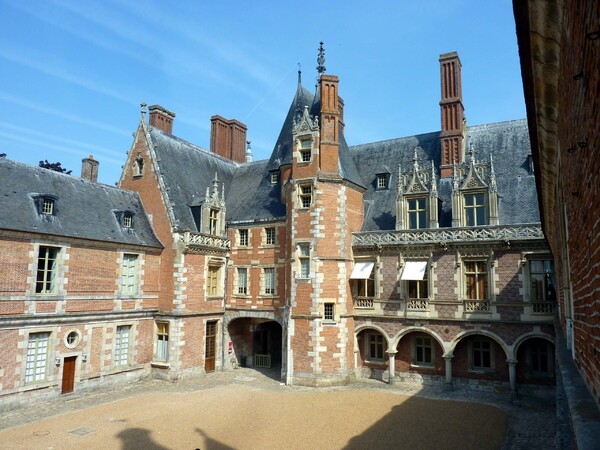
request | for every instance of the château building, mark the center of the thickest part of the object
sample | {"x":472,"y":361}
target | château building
{"x":416,"y":259}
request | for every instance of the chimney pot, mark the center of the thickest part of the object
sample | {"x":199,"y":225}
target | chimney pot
{"x":228,"y":138}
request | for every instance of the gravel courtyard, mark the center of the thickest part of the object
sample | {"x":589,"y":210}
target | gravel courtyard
{"x":243,"y":412}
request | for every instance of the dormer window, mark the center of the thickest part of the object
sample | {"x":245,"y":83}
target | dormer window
{"x":274,"y":177}
{"x":128,"y":220}
{"x":213,"y":222}
{"x":417,"y":213}
{"x":475,"y":214}
{"x":305,"y":150}
{"x":382,"y":181}
{"x":48,"y":206}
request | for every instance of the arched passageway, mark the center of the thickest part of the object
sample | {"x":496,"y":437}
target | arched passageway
{"x":256,"y":343}
{"x":535,"y":364}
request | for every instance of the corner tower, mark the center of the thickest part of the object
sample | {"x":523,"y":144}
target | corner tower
{"x":324,"y":202}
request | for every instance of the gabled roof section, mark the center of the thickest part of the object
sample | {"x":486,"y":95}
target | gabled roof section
{"x":186,"y":171}
{"x":282,"y":152}
{"x":84,"y":209}
{"x":507,"y":142}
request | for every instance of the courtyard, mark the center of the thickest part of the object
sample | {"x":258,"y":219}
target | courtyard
{"x":248,"y":409}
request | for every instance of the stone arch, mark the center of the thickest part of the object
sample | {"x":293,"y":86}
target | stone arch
{"x":377,"y":328}
{"x":486,"y":333}
{"x":396,"y":339}
{"x":269,"y":315}
{"x":531,"y":335}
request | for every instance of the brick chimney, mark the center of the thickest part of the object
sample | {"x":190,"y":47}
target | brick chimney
{"x":228,"y":138}
{"x":452,"y":111}
{"x":161,"y":118}
{"x":89,"y":168}
{"x":331,"y":111}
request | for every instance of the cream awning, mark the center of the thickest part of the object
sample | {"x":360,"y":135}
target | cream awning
{"x":362,"y":270}
{"x":414,"y":270}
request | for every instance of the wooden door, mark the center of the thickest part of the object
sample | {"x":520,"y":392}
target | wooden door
{"x":211,"y":346}
{"x":68,"y":379}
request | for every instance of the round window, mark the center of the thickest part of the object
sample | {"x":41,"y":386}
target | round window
{"x":72,"y":339}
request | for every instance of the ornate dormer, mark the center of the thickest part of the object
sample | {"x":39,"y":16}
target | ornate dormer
{"x":474,"y":193}
{"x":416,"y":197}
{"x":210,"y":214}
{"x":305,"y":133}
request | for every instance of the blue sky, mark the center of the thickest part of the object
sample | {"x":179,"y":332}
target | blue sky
{"x":73,"y":73}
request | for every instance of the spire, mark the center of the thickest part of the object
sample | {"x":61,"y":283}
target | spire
{"x":416,"y":160}
{"x":321,"y":60}
{"x":471,"y":153}
{"x":143,"y":106}
{"x":493,"y":185}
{"x":215,"y":190}
{"x":299,"y":76}
{"x":433,"y":182}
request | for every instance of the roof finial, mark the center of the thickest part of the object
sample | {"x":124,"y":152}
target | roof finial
{"x":321,"y":59}
{"x":249,"y":157}
{"x":143,"y":106}
{"x":299,"y":75}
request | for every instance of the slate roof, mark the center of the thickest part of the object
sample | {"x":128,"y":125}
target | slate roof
{"x":84,"y":209}
{"x":507,"y":142}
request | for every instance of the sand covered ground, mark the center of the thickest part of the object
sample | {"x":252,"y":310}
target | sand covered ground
{"x":249,"y":417}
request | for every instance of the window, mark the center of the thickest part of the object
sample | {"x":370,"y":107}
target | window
{"x":375,"y":347}
{"x":382,"y":181}
{"x":242,"y":281}
{"x":72,"y":339}
{"x":213,"y":281}
{"x":539,"y":359}
{"x":37,"y":357}
{"x":329,"y":312}
{"x":46,"y":270}
{"x":128,"y":274}
{"x":274,"y":177}
{"x":306,"y":195}
{"x":213,"y":221}
{"x":122,"y":345}
{"x":48,"y":206}
{"x":541,"y":274}
{"x":363,"y":277}
{"x":305,"y":150}
{"x":304,"y":259}
{"x":269,"y":280}
{"x":418,"y":288}
{"x":162,"y":341}
{"x":475,"y":210}
{"x":417,"y":213}
{"x":127,"y":220}
{"x":476,"y":280}
{"x":243,"y":234}
{"x":423,"y":351}
{"x":270,"y":236}
{"x":482,"y":354}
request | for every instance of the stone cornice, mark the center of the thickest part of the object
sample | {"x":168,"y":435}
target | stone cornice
{"x":203,"y":243}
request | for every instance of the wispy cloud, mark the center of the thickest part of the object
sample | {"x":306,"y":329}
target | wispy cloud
{"x":176,"y":61}
{"x":55,"y":69}
{"x":80,"y":30}
{"x":84,"y":146}
{"x":4,"y":96}
{"x":59,"y":148}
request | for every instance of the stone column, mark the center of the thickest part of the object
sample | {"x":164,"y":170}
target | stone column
{"x":512,"y":373}
{"x":448,"y":359}
{"x":392,"y":365}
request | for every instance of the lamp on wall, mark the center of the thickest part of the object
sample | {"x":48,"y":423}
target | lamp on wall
{"x":84,"y":357}
{"x":57,"y":361}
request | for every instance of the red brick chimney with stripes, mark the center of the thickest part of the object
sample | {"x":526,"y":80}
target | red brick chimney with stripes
{"x":453,"y":113}
{"x":161,"y":118}
{"x":228,"y":138}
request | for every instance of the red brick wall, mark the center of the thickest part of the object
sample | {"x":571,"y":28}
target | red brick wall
{"x":579,"y":175}
{"x":148,"y":189}
{"x":92,"y":271}
{"x":15,"y":259}
{"x":8,"y":358}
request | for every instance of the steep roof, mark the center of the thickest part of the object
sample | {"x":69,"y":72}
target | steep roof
{"x":187,"y":170}
{"x":507,"y":142}
{"x":83,"y":209}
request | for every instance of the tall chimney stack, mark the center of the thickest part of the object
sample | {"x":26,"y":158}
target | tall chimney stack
{"x":228,"y":138}
{"x":161,"y":118}
{"x":89,"y":168}
{"x":453,"y":113}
